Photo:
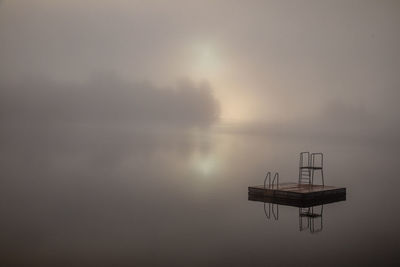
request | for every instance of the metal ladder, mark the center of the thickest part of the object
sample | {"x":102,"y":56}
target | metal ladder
{"x":308,"y":164}
{"x":304,"y":168}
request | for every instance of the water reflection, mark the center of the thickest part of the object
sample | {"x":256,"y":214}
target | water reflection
{"x":274,"y":208}
{"x":310,"y":217}
{"x":85,"y":195}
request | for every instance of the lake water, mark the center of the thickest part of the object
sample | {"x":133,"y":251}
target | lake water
{"x":106,"y":196}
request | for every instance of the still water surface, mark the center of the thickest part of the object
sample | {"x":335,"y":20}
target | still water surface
{"x":107,"y":196}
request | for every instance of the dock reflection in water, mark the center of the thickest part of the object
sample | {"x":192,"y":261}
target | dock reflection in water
{"x":311,"y":219}
{"x":310,"y":216}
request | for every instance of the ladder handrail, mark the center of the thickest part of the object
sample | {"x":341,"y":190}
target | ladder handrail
{"x":266,"y":177}
{"x":276,"y":176}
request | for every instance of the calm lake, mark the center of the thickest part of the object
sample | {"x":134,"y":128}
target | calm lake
{"x":115,"y":196}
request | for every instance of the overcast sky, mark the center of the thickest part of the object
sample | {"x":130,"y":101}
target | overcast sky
{"x":270,"y":61}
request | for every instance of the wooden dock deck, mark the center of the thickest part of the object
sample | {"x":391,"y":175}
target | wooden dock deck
{"x":300,"y":195}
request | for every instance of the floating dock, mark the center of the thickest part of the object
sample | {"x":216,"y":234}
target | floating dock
{"x":299,"y":195}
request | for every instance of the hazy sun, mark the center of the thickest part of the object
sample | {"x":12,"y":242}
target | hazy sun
{"x":207,"y":61}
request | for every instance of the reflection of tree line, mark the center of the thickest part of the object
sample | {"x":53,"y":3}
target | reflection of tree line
{"x":310,"y":218}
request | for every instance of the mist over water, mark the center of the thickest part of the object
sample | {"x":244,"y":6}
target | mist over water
{"x":100,"y":195}
{"x":131,"y":130}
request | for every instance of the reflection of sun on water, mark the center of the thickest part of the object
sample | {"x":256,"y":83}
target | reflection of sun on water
{"x":205,"y":164}
{"x":206,"y":159}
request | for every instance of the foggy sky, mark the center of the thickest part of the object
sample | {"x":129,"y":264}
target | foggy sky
{"x":283,"y":62}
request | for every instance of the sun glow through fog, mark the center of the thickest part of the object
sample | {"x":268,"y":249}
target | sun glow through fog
{"x":207,"y":61}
